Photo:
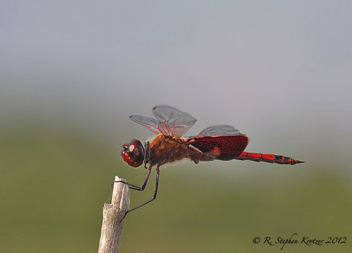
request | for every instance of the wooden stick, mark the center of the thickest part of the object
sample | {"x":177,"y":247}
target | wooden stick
{"x":111,"y":229}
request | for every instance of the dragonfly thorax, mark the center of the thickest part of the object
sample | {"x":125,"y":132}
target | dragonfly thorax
{"x":166,"y":149}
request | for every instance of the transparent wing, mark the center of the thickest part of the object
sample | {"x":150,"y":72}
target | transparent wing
{"x":172,"y":121}
{"x":150,"y":123}
{"x":219,"y":130}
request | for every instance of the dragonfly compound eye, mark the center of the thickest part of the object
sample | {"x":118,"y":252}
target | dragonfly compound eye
{"x":133,"y":153}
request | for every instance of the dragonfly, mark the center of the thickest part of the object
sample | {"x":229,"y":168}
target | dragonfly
{"x":219,"y":142}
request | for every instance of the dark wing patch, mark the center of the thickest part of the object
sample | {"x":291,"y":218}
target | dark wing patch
{"x":226,"y":147}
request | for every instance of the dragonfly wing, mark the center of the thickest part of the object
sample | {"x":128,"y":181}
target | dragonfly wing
{"x":150,"y":123}
{"x":172,"y":121}
{"x":220,"y":142}
{"x":219,"y":130}
{"x":223,"y":147}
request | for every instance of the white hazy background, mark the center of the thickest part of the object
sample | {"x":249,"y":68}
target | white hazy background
{"x":279,"y":71}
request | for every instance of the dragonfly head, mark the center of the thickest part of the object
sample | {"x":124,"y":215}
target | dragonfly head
{"x":133,"y":153}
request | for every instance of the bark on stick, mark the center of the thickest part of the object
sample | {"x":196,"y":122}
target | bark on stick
{"x":112,"y":226}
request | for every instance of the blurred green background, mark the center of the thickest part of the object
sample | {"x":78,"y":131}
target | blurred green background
{"x":56,"y":180}
{"x":72,"y":72}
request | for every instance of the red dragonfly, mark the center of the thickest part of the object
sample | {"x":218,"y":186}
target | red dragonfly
{"x":221,"y":142}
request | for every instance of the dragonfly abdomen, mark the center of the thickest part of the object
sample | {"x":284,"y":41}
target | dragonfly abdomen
{"x":269,"y":158}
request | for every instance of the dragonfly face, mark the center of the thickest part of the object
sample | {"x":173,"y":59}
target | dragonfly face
{"x":133,"y":153}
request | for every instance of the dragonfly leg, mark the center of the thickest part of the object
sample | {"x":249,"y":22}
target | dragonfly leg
{"x":136,"y":187}
{"x":147,"y":153}
{"x":154,"y":194}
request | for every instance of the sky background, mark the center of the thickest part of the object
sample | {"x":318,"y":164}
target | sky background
{"x":279,"y":71}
